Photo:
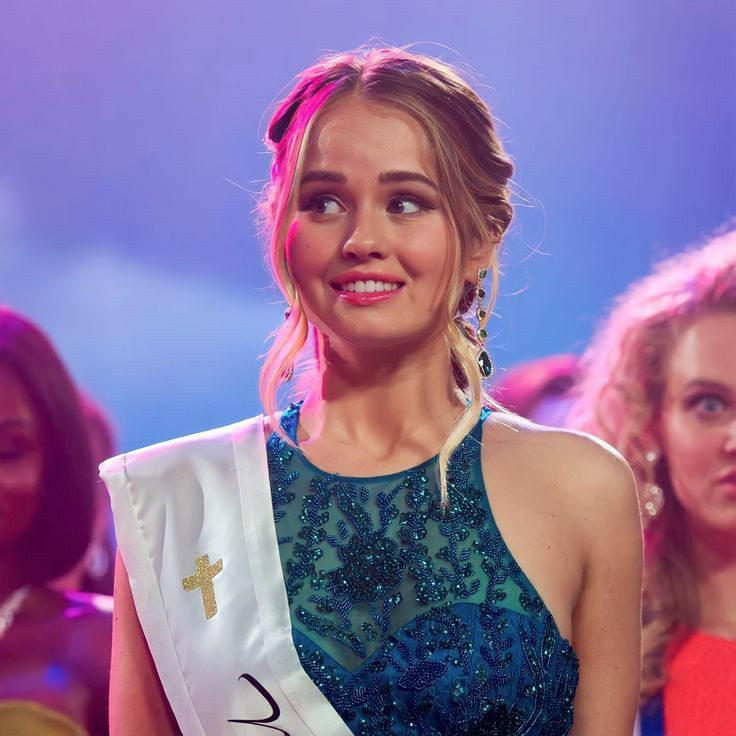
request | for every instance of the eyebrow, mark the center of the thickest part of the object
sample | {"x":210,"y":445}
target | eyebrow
{"x":321,"y":175}
{"x":397,"y":177}
{"x":704,"y":383}
{"x":387,"y":177}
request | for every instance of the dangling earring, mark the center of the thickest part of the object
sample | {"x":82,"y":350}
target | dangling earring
{"x":484,"y":360}
{"x":288,"y":372}
{"x":652,"y":494}
{"x":97,"y":560}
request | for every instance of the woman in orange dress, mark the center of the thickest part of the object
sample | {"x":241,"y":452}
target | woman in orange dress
{"x":660,"y":385}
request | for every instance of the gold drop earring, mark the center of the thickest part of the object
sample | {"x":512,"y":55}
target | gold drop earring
{"x":481,"y":313}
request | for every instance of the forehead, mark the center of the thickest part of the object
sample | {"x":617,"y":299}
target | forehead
{"x":15,"y":403}
{"x":368,"y":136}
{"x":705,"y":350}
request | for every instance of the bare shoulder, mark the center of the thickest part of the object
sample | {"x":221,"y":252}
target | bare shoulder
{"x":72,"y":628}
{"x":90,"y":642}
{"x":560,"y":453}
{"x":91,"y":615}
{"x":589,"y":476}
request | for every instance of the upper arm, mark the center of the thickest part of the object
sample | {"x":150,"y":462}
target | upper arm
{"x":138,"y":704}
{"x":607,"y":616}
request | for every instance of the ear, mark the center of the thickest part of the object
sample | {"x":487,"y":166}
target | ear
{"x":651,"y":440}
{"x":478,"y":256}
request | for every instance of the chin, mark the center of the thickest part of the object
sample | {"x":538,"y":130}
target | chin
{"x":367,"y":334}
{"x":372,"y":341}
{"x":724,"y":522}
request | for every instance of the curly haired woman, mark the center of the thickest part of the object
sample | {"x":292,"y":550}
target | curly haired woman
{"x":660,"y":385}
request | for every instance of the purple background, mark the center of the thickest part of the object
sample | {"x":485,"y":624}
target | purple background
{"x":130,"y":155}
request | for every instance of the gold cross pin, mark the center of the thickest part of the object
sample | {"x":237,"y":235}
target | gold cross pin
{"x":203,"y":577}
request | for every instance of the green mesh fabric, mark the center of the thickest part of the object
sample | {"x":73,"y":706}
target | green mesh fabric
{"x":390,"y":593}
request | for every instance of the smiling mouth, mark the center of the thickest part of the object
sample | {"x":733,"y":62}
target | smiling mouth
{"x":368,"y":286}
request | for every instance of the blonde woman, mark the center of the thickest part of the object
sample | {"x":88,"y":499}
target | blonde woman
{"x":337,"y":568}
{"x":660,"y":385}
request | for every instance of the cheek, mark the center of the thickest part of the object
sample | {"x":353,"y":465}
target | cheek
{"x":691,"y":453}
{"x":441,"y":264}
{"x":306,"y":266}
{"x":19,"y":499}
{"x":303,"y":260}
{"x":428,"y":253}
{"x":292,"y":249}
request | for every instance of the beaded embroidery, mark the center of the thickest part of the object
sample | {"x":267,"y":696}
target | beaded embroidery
{"x":409,"y":618}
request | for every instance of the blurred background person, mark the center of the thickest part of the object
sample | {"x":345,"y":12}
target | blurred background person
{"x":660,"y":384}
{"x":541,"y":390}
{"x":54,"y":646}
{"x":94,"y":573}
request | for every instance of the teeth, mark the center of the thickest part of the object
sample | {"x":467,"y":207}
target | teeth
{"x":369,"y":286}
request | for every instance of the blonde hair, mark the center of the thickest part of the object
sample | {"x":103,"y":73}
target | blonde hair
{"x":624,"y":380}
{"x":473,"y":172}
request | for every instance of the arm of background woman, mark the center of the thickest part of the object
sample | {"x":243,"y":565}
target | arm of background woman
{"x":607,"y":616}
{"x":137,"y":701}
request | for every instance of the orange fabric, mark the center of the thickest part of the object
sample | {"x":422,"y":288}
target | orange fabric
{"x":700,"y":697}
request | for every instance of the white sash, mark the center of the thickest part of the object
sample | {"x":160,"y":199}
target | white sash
{"x":209,"y":494}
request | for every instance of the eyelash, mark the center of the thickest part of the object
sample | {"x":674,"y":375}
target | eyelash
{"x":422,"y":204}
{"x":311,"y":203}
{"x":696,"y":402}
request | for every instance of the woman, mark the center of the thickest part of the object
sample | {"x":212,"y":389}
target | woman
{"x":94,"y":572}
{"x":54,"y":647}
{"x":292,"y":574}
{"x":660,"y":385}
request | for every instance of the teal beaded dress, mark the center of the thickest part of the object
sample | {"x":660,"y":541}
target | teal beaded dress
{"x":412,"y":620}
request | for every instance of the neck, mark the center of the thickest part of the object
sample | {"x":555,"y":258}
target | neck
{"x":382,"y":397}
{"x":715,"y":564}
{"x":10,"y":580}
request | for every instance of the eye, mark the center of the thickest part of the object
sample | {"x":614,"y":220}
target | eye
{"x":12,"y":455}
{"x":707,"y":406}
{"x":16,"y":450}
{"x":323,"y":204}
{"x":406,"y":205}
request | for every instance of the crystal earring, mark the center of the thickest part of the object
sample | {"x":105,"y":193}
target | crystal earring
{"x":288,"y":372}
{"x":652,"y":494}
{"x":481,"y":313}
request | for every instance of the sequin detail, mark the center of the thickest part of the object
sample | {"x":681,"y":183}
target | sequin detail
{"x":409,"y":618}
{"x":202,"y":580}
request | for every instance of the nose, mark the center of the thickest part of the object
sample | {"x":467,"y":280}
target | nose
{"x":366,"y":238}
